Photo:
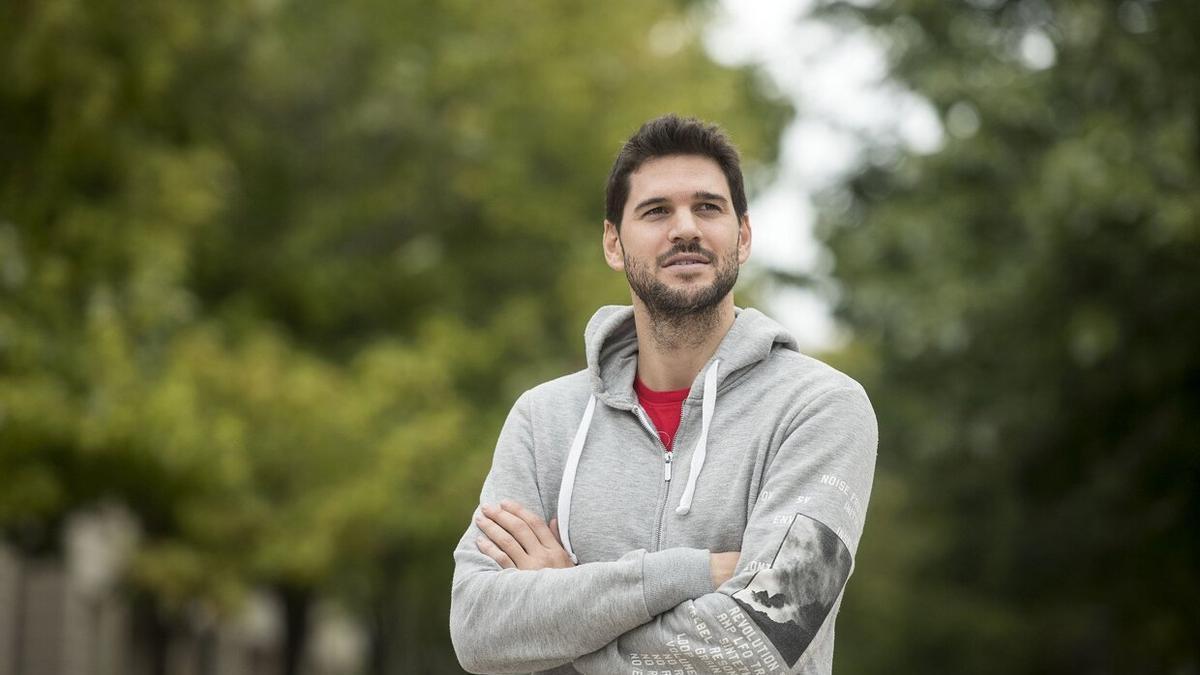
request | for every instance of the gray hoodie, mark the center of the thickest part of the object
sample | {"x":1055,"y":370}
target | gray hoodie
{"x":774,"y":457}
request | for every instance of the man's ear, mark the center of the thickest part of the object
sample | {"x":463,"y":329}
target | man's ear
{"x":614,"y":252}
{"x":744,"y":239}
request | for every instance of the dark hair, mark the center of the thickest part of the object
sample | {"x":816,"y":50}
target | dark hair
{"x":673,"y":135}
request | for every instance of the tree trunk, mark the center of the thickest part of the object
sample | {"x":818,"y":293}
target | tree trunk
{"x":387,"y":630}
{"x":152,"y":636}
{"x":296,"y":602}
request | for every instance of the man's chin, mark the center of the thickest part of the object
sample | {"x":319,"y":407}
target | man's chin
{"x":686,"y":293}
{"x":675,"y":303}
{"x":668,"y":294}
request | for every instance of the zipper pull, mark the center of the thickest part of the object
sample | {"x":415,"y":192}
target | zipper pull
{"x":667,"y":466}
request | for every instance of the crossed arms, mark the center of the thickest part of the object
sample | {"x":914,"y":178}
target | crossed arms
{"x":518,"y":605}
{"x":516,"y":537}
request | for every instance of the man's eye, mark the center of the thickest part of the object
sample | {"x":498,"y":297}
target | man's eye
{"x":656,"y":211}
{"x":706,"y":206}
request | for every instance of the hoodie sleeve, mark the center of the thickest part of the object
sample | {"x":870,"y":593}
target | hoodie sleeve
{"x":508,"y":620}
{"x":797,"y":554}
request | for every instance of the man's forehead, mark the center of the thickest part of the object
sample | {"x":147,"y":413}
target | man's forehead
{"x":676,"y":175}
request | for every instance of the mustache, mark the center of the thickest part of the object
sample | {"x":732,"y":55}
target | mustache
{"x":686,"y":247}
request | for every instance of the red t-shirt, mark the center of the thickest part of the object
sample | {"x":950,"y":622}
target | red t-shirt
{"x":664,"y":408}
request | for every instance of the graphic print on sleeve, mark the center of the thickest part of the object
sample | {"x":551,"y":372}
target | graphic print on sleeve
{"x":791,"y":599}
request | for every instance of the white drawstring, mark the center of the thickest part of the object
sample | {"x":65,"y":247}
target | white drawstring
{"x":568,"y":479}
{"x":709,"y":405}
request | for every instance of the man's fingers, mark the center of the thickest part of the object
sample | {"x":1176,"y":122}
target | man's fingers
{"x":554,"y":530}
{"x":492,"y":551}
{"x":522,"y":535}
{"x":501,"y":538}
{"x":514,"y":525}
{"x":532,"y":520}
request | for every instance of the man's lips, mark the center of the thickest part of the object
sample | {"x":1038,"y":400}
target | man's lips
{"x":685,"y":259}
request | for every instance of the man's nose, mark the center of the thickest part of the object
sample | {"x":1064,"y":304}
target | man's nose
{"x":684,"y":226}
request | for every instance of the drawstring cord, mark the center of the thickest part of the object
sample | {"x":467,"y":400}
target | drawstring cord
{"x":701,"y":451}
{"x":568,"y":479}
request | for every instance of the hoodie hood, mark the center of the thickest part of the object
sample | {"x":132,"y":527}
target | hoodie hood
{"x":610,"y":341}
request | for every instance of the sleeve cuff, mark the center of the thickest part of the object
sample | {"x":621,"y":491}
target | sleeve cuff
{"x":674,"y":576}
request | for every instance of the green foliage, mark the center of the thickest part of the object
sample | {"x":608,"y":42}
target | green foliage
{"x":1027,"y":297}
{"x":271,"y":273}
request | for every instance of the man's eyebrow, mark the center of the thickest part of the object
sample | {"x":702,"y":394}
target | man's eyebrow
{"x":709,"y":196}
{"x":647,"y":202}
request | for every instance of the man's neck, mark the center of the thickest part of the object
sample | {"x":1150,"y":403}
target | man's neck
{"x":671,"y":352}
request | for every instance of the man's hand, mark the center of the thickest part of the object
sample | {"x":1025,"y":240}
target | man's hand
{"x":721,"y":566}
{"x":517,"y":537}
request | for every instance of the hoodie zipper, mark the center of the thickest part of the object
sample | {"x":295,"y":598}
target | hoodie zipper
{"x":641,"y":415}
{"x":668,"y":456}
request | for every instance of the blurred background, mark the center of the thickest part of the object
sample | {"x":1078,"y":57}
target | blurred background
{"x":273,"y":271}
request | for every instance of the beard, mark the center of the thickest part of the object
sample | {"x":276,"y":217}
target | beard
{"x":693,"y":306}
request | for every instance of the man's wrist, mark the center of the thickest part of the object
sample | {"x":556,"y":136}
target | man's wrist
{"x":722,"y":566}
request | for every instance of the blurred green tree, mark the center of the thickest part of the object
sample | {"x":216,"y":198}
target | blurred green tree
{"x":272,"y":273}
{"x":1025,"y":305}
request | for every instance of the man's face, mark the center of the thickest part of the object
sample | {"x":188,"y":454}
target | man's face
{"x":680,"y":243}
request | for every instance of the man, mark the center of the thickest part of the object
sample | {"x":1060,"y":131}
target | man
{"x":697,"y":439}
